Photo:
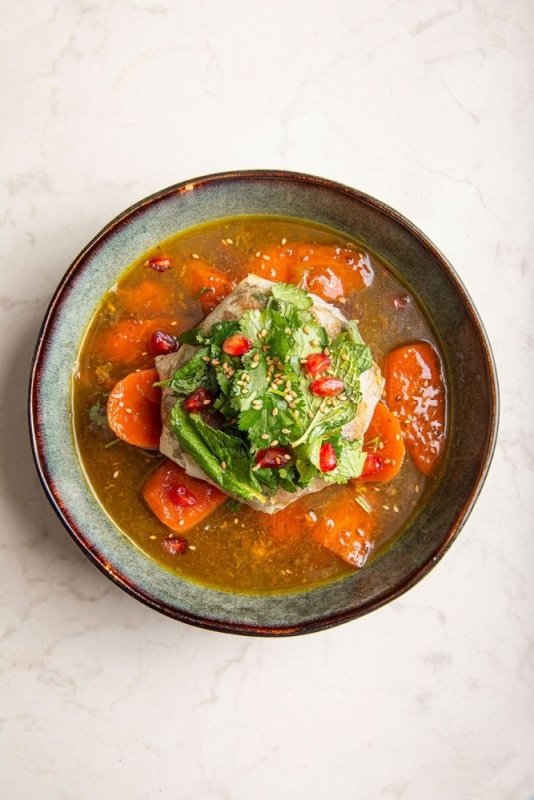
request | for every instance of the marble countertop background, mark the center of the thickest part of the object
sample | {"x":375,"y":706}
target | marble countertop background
{"x":425,"y":104}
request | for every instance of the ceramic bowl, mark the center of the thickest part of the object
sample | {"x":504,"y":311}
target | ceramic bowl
{"x":418,"y":263}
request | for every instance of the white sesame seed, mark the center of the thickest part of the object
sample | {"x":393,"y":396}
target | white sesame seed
{"x":274,"y":443}
{"x":195,"y":255}
{"x":265,"y":436}
{"x":285,"y":430}
{"x":192,"y":547}
{"x":284,"y":241}
{"x":275,"y":412}
{"x":116,"y":474}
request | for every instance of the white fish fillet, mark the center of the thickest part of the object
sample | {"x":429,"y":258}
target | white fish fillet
{"x":232,"y":308}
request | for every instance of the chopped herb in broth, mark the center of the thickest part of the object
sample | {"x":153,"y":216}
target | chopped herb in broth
{"x":163,"y":298}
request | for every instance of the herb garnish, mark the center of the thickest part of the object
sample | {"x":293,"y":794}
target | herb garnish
{"x":264,"y":398}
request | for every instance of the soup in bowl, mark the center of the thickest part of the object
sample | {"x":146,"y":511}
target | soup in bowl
{"x":249,"y":403}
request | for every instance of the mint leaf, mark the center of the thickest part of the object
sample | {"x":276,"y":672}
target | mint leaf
{"x":191,"y":375}
{"x":350,"y":461}
{"x":192,"y":336}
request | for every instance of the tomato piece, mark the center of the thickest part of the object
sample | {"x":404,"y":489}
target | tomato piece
{"x":207,"y":283}
{"x":158,"y":491}
{"x":346,"y":529}
{"x":384,"y":446}
{"x":415,"y":392}
{"x":330,"y":272}
{"x":133,"y":409}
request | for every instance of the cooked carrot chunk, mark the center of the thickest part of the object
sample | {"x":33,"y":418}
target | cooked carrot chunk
{"x":134,"y":409}
{"x":330,"y":272}
{"x":415,"y":392}
{"x":208,"y":283}
{"x":148,"y":298}
{"x":128,"y":341}
{"x":273,"y":263}
{"x":346,"y":529}
{"x":170,"y":481}
{"x":385,"y":446}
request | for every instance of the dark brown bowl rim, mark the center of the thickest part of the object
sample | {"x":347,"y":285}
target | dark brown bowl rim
{"x":119,"y":578}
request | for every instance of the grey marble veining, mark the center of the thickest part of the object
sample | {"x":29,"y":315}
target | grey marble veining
{"x":425,"y":105}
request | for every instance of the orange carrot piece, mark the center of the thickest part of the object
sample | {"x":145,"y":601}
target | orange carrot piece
{"x":346,"y":529}
{"x":158,"y":493}
{"x":330,"y":272}
{"x":273,"y":263}
{"x":199,"y":275}
{"x":415,"y":392}
{"x":292,"y":523}
{"x":134,"y":409}
{"x":389,"y":453}
{"x":127,"y":342}
{"x":146,"y":299}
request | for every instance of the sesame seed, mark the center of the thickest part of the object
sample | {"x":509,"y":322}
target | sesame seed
{"x":223,"y":464}
{"x":206,"y":402}
{"x":312,"y":515}
{"x":344,"y":357}
{"x":416,"y":488}
{"x":386,"y":508}
{"x":192,"y":547}
{"x":153,"y":537}
{"x":129,"y":410}
{"x":326,"y":351}
{"x":275,"y":412}
{"x":291,"y":405}
{"x":288,"y":398}
{"x":256,"y":468}
{"x":288,"y":331}
{"x":314,"y":343}
{"x":310,"y":414}
{"x":296,"y":412}
{"x":274,"y":443}
{"x":236,"y":521}
{"x":266,"y":258}
{"x":215,"y":362}
{"x":174,"y":323}
{"x":396,"y":509}
{"x":306,"y":329}
{"x":205,"y":358}
{"x":397,"y":437}
{"x":256,"y":357}
{"x":285,"y":430}
{"x":116,"y":474}
{"x":265,"y":436}
{"x":181,"y":522}
{"x":223,"y":241}
{"x":284,"y":241}
{"x":258,"y":254}
{"x":229,"y":241}
{"x":264,"y":332}
{"x":195,"y":255}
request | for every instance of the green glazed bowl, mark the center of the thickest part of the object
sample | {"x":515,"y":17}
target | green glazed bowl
{"x":418,"y":263}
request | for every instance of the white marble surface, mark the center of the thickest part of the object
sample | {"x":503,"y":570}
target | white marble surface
{"x":425,"y":104}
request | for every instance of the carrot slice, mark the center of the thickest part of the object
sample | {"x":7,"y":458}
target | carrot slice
{"x":415,"y":392}
{"x":292,"y":523}
{"x":274,"y":264}
{"x":330,"y":272}
{"x":201,"y":276}
{"x":346,"y":529}
{"x":383,"y":441}
{"x":165,"y":484}
{"x":127,"y":342}
{"x":134,"y":409}
{"x":146,"y":299}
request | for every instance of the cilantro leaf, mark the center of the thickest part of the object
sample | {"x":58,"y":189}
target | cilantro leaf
{"x":290,"y":294}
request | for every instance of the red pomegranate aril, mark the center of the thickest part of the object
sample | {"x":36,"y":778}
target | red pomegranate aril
{"x":400,"y":302}
{"x":198,"y":400}
{"x":327,"y":387}
{"x":175,"y":545}
{"x":159,"y":264}
{"x":181,"y":496}
{"x":317,"y":363}
{"x":162,"y":343}
{"x":272,"y":458}
{"x":236,"y":345}
{"x":327,"y":457}
{"x":372,"y":465}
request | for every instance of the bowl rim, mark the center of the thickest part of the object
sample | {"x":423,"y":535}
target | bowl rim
{"x":121,"y":580}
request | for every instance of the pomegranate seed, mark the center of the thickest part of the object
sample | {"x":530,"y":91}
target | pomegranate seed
{"x":317,"y":363}
{"x":162,"y":343}
{"x":198,"y":400}
{"x":327,"y":457}
{"x":181,"y":496}
{"x":175,"y":546}
{"x":327,"y":387}
{"x":372,"y":465}
{"x":272,"y":458}
{"x":159,"y":264}
{"x":236,"y":345}
{"x":400,"y":302}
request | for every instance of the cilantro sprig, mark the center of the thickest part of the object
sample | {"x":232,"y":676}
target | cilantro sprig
{"x":264,"y":398}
